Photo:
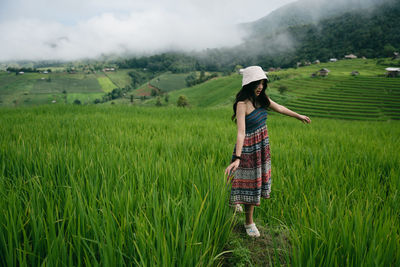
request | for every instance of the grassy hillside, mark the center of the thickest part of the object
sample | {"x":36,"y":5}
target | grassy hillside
{"x":216,"y":92}
{"x":169,"y":81}
{"x":165,"y":82}
{"x":120,"y":78}
{"x":368,"y":96}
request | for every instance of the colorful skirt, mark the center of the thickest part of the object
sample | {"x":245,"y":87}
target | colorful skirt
{"x":252,"y":179}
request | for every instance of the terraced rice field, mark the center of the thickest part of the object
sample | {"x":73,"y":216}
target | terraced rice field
{"x":360,"y":98}
{"x":168,"y":82}
{"x":36,"y":88}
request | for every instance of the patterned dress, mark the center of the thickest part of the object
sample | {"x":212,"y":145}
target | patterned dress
{"x":252,"y":179}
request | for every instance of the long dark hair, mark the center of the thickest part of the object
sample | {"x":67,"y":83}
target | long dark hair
{"x":247,"y":92}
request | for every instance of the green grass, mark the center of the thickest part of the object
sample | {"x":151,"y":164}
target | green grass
{"x":125,"y":185}
{"x":84,"y":98}
{"x":120,"y":77}
{"x":169,"y":81}
{"x":216,"y":92}
{"x":106,"y":84}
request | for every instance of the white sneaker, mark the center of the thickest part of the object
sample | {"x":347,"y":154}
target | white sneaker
{"x":238,"y":208}
{"x":252,"y":230}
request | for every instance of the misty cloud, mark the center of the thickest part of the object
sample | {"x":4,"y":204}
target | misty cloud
{"x":142,"y":33}
{"x":86,"y":29}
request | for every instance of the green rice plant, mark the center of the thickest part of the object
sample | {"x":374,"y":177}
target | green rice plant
{"x":124,"y":191}
{"x":126,"y":185}
{"x":336,"y":188}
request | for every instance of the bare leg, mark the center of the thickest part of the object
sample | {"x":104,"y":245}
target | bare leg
{"x":249,"y":209}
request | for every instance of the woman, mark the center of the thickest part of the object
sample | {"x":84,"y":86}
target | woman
{"x":250,"y":168}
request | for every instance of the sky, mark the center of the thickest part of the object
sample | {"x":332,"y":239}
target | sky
{"x":76,"y":29}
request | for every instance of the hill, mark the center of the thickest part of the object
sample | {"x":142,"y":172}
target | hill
{"x":303,"y":12}
{"x":367,"y":96}
{"x":162,"y":83}
{"x":293,"y":34}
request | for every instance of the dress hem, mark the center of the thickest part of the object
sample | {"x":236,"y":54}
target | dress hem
{"x":247,"y":203}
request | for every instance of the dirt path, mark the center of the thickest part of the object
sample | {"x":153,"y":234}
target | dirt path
{"x":267,"y":250}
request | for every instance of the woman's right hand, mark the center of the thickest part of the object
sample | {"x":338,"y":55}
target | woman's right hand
{"x":304,"y":119}
{"x":232,"y":167}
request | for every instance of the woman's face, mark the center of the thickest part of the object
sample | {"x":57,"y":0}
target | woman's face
{"x":259,"y":88}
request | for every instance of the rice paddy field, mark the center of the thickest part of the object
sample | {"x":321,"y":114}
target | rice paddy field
{"x":31,"y":89}
{"x":114,"y":185}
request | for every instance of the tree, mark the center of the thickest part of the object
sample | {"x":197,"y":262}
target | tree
{"x":154,"y":92}
{"x":191,"y":79}
{"x":202,"y":76}
{"x":77,"y":102}
{"x":182,"y":101}
{"x":166,"y":98}
{"x":388,"y":50}
{"x":65,"y":96}
{"x":158,"y":102}
{"x":282,"y":89}
{"x":237,"y":68}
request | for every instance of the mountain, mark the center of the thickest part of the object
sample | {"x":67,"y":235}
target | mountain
{"x":308,"y":30}
{"x":304,"y":12}
{"x":305,"y":30}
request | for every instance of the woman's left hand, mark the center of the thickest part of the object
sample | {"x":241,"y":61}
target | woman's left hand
{"x":232,"y":168}
{"x":304,"y":119}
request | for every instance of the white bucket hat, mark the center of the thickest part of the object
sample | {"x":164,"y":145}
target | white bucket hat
{"x":252,"y":74}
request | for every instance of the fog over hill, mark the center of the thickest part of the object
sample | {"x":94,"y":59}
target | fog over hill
{"x":70,"y":30}
{"x":307,"y":30}
{"x":304,"y":12}
{"x":73,"y":29}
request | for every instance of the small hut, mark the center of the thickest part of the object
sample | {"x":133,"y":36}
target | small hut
{"x":108,"y":69}
{"x":393,"y":72}
{"x":333,"y":59}
{"x":351,"y":56}
{"x":316,"y":61}
{"x":323,"y":72}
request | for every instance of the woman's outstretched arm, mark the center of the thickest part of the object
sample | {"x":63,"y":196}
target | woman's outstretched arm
{"x":284,"y":110}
